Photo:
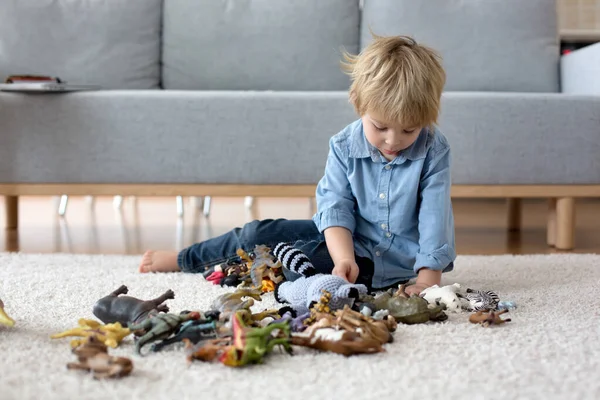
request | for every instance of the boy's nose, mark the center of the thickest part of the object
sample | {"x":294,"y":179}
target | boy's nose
{"x":392,"y":140}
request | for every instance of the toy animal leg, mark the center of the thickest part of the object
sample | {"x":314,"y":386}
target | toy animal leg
{"x":169,"y":294}
{"x":284,"y":342}
{"x":121,"y":290}
{"x":149,"y":337}
{"x":79,"y":366}
{"x":72,"y":332}
{"x":284,"y":326}
{"x":162,"y":308}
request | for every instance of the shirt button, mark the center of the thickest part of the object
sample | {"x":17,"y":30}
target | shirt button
{"x":388,"y":167}
{"x":388,"y":234}
{"x":383,"y":226}
{"x":382,"y":195}
{"x":377,"y":253}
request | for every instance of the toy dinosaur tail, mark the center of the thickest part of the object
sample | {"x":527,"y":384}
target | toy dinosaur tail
{"x":293,"y":259}
{"x":4,"y":318}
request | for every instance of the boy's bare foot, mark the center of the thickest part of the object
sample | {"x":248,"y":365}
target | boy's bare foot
{"x":159,"y":261}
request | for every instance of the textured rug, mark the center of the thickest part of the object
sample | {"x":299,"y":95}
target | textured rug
{"x":549,"y":350}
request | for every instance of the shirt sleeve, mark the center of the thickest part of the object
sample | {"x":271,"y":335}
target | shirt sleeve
{"x":335,"y":202}
{"x":436,"y":221}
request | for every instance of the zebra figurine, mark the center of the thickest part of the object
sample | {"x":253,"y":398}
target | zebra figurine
{"x":482,"y":300}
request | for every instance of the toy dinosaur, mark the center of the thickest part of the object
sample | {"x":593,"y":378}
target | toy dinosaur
{"x":4,"y":318}
{"x":228,"y":303}
{"x":405,"y":309}
{"x":251,"y":345}
{"x":255,"y":319}
{"x":127,"y":309}
{"x":487,"y":318}
{"x":246,"y":345}
{"x":109,"y":334}
{"x":93,"y":356}
{"x":159,"y":327}
{"x":193,"y":331}
{"x":206,"y":351}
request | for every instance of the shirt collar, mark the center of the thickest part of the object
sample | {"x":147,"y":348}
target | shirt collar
{"x":361,"y":148}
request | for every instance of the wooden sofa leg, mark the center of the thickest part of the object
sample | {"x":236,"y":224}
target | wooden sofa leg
{"x":11,"y":203}
{"x":551,"y":226}
{"x":515,"y":205}
{"x":565,"y":223}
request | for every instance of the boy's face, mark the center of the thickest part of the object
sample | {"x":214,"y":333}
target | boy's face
{"x":387,"y":136}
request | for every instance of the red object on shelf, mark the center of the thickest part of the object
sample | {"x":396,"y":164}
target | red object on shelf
{"x":31,"y":78}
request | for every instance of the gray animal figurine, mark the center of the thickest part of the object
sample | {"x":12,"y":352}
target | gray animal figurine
{"x":129,"y":310}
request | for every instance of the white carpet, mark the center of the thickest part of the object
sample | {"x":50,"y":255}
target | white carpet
{"x":550,"y":349}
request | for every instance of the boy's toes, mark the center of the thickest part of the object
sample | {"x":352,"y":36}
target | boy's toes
{"x":159,"y":261}
{"x":146,"y":263}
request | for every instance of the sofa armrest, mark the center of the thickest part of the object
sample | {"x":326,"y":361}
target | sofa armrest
{"x":580,"y":71}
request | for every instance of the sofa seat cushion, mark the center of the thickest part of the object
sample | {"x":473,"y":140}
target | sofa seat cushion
{"x":169,"y":136}
{"x":523,"y":138}
{"x":258,"y":44}
{"x":112,"y":43}
{"x":236,"y":137}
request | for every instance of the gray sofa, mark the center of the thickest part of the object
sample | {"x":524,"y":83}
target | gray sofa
{"x":223,"y":97}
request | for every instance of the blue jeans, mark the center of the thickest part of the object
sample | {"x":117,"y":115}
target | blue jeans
{"x":302,"y":234}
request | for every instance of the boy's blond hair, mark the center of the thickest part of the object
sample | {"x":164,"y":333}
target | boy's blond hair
{"x":397,"y":78}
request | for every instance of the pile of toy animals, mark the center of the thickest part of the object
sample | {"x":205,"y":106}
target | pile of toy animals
{"x":229,"y":333}
{"x":258,"y":269}
{"x":318,"y":311}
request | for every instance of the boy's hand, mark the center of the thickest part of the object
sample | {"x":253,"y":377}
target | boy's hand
{"x":426,"y":278}
{"x":415,"y":288}
{"x":347,"y":269}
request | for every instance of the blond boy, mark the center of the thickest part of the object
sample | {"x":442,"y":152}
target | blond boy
{"x":384,"y":214}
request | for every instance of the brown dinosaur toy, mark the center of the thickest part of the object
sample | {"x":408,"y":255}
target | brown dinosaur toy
{"x":129,"y":310}
{"x":486,"y":318}
{"x":93,"y":356}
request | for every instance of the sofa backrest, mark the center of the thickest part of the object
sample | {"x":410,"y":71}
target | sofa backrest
{"x":257,"y":44}
{"x":487,"y":45}
{"x":112,"y":43}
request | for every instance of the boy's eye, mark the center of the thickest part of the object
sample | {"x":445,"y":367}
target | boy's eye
{"x":379,"y":128}
{"x":409,"y":131}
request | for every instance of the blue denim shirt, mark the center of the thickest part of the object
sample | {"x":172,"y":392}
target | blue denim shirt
{"x":399,"y":212}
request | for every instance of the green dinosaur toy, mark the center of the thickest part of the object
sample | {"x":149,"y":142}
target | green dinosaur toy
{"x":251,"y":345}
{"x":159,"y":327}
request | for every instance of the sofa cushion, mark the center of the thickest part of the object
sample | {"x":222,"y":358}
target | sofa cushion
{"x":487,"y":45}
{"x":258,"y":44}
{"x":128,"y":137}
{"x":527,"y":138}
{"x":169,"y":136}
{"x":112,"y":43}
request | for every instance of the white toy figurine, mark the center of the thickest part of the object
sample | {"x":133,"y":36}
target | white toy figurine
{"x":448,"y":295}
